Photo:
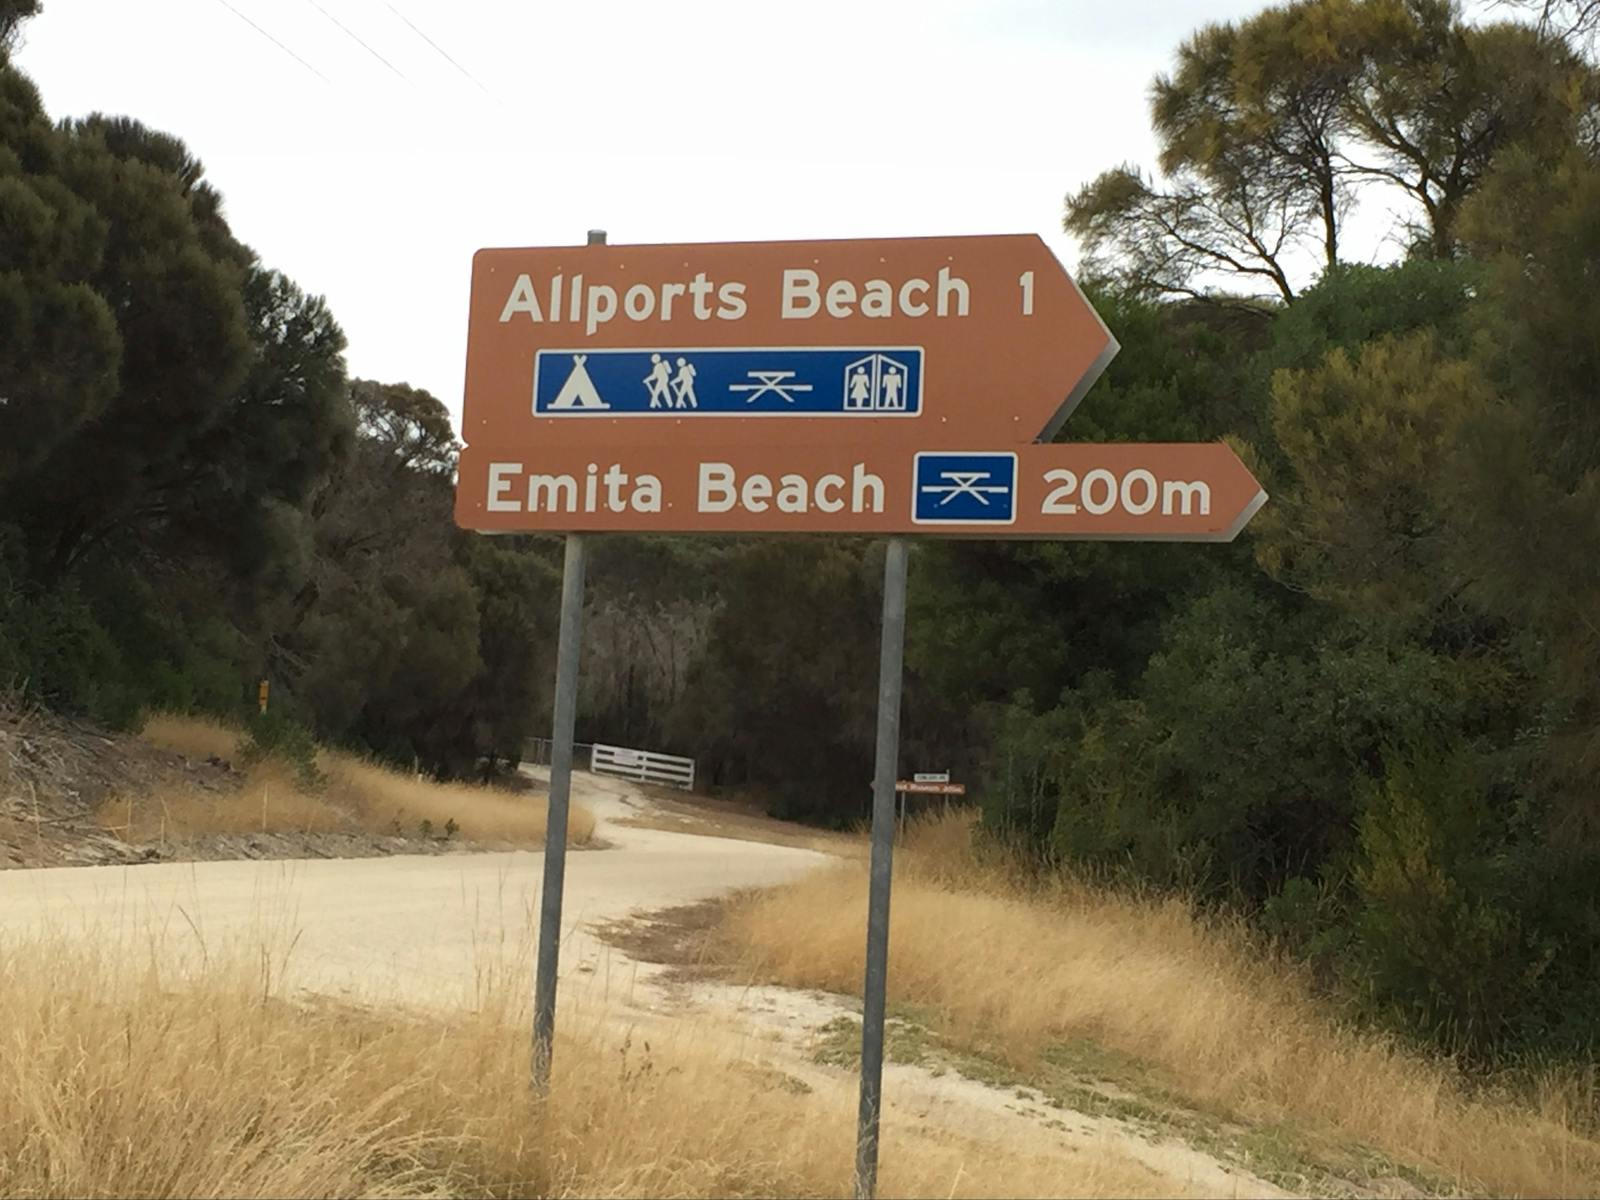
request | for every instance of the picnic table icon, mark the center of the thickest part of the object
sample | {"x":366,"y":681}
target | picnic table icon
{"x":775,"y":382}
{"x":966,"y":483}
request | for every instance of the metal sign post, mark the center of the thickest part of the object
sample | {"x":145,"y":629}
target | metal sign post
{"x":874,"y":994}
{"x":568,"y":646}
{"x":555,"y":838}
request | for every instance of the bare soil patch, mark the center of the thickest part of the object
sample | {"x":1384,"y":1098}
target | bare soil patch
{"x":813,"y":1041}
{"x":740,"y":819}
{"x":56,"y":774}
{"x":681,"y":938}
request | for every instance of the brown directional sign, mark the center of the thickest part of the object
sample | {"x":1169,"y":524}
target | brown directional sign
{"x":930,"y":789}
{"x":911,"y":341}
{"x":871,"y":387}
{"x":1148,"y":492}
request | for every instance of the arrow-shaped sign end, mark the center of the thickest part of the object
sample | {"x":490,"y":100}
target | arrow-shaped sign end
{"x":1090,"y":378}
{"x":1251,"y":509}
{"x":1097,"y":368}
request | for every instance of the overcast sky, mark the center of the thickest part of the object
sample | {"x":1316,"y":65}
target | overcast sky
{"x":371,"y":172}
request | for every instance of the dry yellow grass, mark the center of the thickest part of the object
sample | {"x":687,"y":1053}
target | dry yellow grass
{"x":193,"y":737}
{"x":270,"y":801}
{"x":356,"y":797}
{"x":1013,"y":968}
{"x":380,"y":798}
{"x":128,"y":1080}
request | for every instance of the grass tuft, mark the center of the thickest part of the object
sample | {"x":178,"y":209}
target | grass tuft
{"x":133,"y":1077}
{"x":353,"y":796}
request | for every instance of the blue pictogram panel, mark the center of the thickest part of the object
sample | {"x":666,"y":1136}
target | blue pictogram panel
{"x":858,"y":381}
{"x":964,"y":489}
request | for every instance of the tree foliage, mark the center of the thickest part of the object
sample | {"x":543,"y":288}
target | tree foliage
{"x":193,"y":495}
{"x":1380,"y":732}
{"x":12,"y":14}
{"x":1575,"y":22}
{"x":1273,"y":130}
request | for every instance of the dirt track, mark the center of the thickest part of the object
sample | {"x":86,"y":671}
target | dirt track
{"x":417,"y":929}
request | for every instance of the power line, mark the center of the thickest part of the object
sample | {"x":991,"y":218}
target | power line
{"x":356,"y":38}
{"x":274,"y":41}
{"x":445,"y":55}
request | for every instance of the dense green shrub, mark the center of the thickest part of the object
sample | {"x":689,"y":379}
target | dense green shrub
{"x":273,"y":735}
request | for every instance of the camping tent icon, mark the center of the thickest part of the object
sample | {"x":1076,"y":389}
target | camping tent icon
{"x":579,"y":391}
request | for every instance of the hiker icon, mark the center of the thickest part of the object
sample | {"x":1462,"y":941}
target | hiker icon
{"x":659,"y":382}
{"x":683,"y":385}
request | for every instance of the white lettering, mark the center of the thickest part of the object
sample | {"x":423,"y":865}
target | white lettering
{"x":576,"y":301}
{"x":800,"y":298}
{"x":700,"y":289}
{"x":716,"y":488}
{"x":602,"y":307}
{"x":616,"y":480}
{"x":1188,"y":493}
{"x":647,"y":494}
{"x":722,"y":490}
{"x":878,"y":299}
{"x":862,"y":481}
{"x":500,"y":484}
{"x":590,"y":488}
{"x":731,"y":296}
{"x":913,"y":308}
{"x":949,"y":286}
{"x":793,"y":494}
{"x":669,"y":293}
{"x":1108,"y":484}
{"x":841,"y":296}
{"x":1151,"y":492}
{"x":756,"y":492}
{"x":829,"y":483}
{"x":555,"y":300}
{"x":522,"y":299}
{"x":552,"y":493}
{"x":640,"y":302}
{"x":1057,"y":504}
{"x":804,"y":296}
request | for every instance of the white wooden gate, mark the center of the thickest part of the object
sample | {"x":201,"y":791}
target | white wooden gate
{"x":643,"y":766}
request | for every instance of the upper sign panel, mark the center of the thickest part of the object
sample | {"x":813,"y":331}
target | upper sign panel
{"x":924,"y":341}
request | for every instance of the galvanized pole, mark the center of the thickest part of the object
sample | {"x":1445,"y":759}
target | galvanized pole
{"x":555,"y":839}
{"x":883,"y":804}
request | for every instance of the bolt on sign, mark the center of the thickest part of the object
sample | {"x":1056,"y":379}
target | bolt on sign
{"x":908,"y":386}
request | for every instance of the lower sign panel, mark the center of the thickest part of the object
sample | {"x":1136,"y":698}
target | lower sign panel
{"x":1155,"y":492}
